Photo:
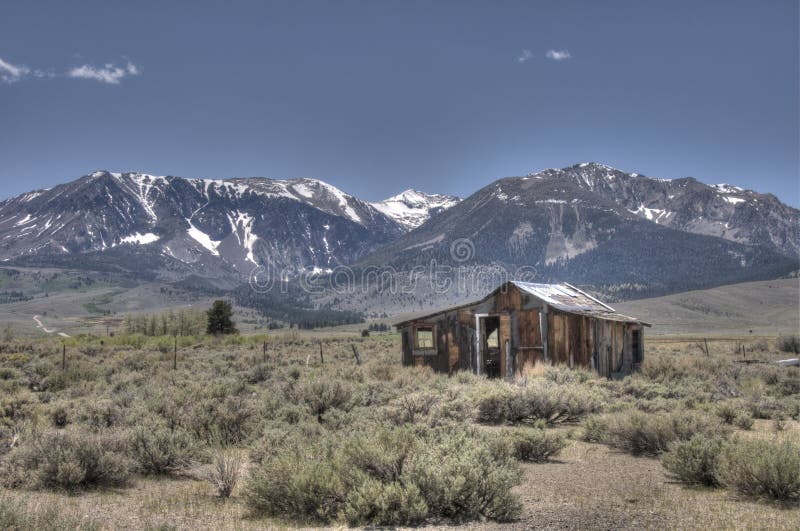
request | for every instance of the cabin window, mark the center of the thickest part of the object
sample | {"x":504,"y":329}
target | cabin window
{"x":423,"y":337}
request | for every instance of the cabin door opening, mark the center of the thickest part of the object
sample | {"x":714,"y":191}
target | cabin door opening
{"x":490,"y":346}
{"x":636,"y":346}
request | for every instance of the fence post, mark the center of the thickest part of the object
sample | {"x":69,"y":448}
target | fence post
{"x":355,"y":352}
{"x":175,"y":355}
{"x":706,"y":343}
{"x":321,"y":357}
{"x":265,"y":351}
{"x":64,"y":357}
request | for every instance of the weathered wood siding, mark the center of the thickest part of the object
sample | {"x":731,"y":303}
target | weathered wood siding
{"x":571,"y":339}
{"x":527,"y":341}
{"x":454,"y":338}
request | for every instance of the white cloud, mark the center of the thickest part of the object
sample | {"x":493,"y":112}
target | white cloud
{"x":558,"y":55}
{"x":10,"y":73}
{"x":109,"y":73}
{"x":524,"y":56}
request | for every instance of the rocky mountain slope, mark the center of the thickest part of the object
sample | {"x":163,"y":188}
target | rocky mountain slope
{"x":215,"y":227}
{"x":621,"y":233}
{"x":686,"y":204}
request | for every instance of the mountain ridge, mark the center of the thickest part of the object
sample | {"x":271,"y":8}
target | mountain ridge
{"x":553,"y":220}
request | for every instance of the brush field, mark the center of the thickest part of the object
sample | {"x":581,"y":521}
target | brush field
{"x":239,"y":437}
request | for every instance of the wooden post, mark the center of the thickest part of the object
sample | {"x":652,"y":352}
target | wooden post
{"x":64,"y":357}
{"x":355,"y":352}
{"x":706,"y":343}
{"x":321,"y":357}
{"x":175,"y":355}
{"x":509,"y":375}
{"x":265,"y":351}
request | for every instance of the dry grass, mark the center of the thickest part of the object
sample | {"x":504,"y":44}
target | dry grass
{"x":586,"y":486}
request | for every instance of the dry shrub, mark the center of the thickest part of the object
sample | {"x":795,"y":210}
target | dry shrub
{"x":595,"y":429}
{"x":694,"y":461}
{"x":535,"y":445}
{"x":224,"y":472}
{"x":380,"y":476}
{"x":161,"y":451}
{"x":543,"y":400}
{"x":561,"y":374}
{"x":762,"y":468}
{"x":384,"y":504}
{"x":641,"y":433}
{"x":790,"y":344}
{"x":320,"y":396}
{"x":68,"y":460}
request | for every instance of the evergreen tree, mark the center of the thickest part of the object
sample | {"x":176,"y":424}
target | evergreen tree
{"x":219,"y":319}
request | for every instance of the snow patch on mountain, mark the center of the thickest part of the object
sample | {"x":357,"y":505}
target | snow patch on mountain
{"x":652,"y":214}
{"x":243,"y":229}
{"x":413,"y":208}
{"x":202,"y":238}
{"x":733,"y":200}
{"x":140,"y":239}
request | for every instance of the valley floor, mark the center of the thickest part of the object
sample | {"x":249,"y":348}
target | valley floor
{"x":588,"y":486}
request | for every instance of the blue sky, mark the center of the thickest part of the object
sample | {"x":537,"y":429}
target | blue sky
{"x":378,"y":96}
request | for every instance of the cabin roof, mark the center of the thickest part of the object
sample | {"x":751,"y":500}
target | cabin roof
{"x":564,"y":297}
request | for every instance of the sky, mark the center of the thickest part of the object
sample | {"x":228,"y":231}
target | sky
{"x":379,"y":96}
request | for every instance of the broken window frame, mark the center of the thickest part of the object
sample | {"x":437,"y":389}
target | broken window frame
{"x":424,"y":350}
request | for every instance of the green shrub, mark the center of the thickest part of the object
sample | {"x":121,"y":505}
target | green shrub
{"x":535,"y":445}
{"x":595,"y":429}
{"x":641,"y":433}
{"x":694,"y":461}
{"x":381,"y":476}
{"x":728,"y":411}
{"x":59,"y":417}
{"x":323,"y":395}
{"x":68,"y":460}
{"x":762,"y":468}
{"x":101,"y":414}
{"x":789,"y":344}
{"x":160,"y":451}
{"x":743,"y":420}
{"x":463,"y":476}
{"x":561,"y":374}
{"x":301,"y":485}
{"x":384,"y":504}
{"x":543,"y":400}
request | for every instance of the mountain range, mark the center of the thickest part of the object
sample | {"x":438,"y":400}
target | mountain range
{"x":588,"y":223}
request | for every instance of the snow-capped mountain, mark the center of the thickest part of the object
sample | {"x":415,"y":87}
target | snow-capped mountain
{"x":210,"y":226}
{"x":588,"y":223}
{"x":686,"y":204}
{"x":413,"y":208}
{"x":596,"y":225}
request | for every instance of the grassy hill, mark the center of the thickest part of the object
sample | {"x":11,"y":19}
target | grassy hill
{"x":759,"y":308}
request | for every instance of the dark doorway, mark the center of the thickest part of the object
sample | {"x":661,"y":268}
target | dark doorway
{"x":636,"y":346}
{"x":490,"y":346}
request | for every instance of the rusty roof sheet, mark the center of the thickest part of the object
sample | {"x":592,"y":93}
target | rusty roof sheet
{"x":564,"y":297}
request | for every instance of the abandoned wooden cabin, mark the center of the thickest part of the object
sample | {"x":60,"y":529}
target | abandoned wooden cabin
{"x":520,"y":324}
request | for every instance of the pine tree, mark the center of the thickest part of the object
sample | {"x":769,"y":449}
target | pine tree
{"x":219,"y":319}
